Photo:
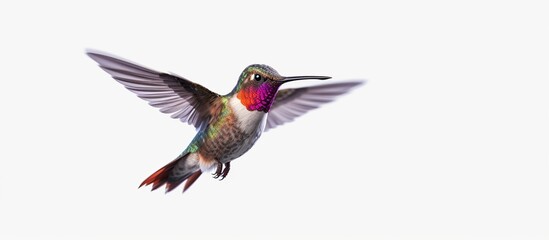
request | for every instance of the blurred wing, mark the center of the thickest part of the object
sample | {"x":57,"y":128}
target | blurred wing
{"x":294,"y":102}
{"x":175,"y":95}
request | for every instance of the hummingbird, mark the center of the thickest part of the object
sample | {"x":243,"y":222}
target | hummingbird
{"x":227,"y":125}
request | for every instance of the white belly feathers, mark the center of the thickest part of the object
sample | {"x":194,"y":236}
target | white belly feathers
{"x":248,"y":121}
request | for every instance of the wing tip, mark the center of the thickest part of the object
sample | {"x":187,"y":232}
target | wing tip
{"x":99,"y":56}
{"x":355,"y":82}
{"x":95,"y":53}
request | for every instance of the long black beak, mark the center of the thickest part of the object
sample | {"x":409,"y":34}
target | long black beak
{"x":289,"y":79}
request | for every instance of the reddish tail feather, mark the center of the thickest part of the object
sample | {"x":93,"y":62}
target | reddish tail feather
{"x":162,"y":176}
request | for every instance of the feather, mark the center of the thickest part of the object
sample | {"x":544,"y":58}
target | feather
{"x":172,"y":94}
{"x":293,"y":102}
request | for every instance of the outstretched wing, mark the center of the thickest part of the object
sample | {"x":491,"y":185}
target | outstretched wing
{"x":175,"y":95}
{"x":294,"y":102}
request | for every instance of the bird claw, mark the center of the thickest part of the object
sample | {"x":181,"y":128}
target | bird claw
{"x":225,"y":171}
{"x":220,"y":172}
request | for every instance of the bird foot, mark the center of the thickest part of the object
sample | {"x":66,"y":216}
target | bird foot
{"x":225,"y":171}
{"x":221,"y":172}
{"x":218,"y":171}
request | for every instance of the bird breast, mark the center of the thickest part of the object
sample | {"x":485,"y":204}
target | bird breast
{"x":237,"y":135}
{"x":248,"y":121}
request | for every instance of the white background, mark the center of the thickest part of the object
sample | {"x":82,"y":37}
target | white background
{"x":447,"y":140}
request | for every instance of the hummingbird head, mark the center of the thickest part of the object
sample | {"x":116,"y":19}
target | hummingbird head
{"x":258,"y":84}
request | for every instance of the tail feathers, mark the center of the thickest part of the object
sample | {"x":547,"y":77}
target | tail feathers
{"x":163,"y":176}
{"x":191,"y":180}
{"x":160,"y":177}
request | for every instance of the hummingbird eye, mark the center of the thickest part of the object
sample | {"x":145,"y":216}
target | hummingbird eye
{"x":257,"y":77}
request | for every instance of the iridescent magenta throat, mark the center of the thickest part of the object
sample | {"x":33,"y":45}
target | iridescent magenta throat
{"x":258,"y":98}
